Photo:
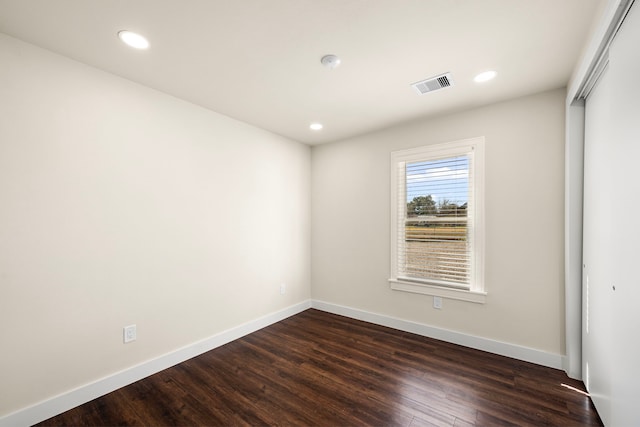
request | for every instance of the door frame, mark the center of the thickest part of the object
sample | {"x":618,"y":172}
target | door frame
{"x":590,"y":66}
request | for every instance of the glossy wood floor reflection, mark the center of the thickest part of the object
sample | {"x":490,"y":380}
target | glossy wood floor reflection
{"x":319,"y":369}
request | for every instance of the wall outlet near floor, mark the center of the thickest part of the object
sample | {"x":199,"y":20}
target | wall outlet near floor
{"x":437,"y":302}
{"x":283,"y":288}
{"x":129,"y":333}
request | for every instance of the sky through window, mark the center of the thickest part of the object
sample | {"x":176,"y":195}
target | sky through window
{"x":444,"y":179}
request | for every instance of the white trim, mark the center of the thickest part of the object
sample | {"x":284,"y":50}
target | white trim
{"x":597,"y":49}
{"x":526,"y":354}
{"x":70,"y":399}
{"x":594,"y":77}
{"x":472,"y":147}
{"x":573,"y":182}
{"x":427,"y":289}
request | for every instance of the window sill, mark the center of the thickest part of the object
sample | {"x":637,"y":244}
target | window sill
{"x":450,"y":293}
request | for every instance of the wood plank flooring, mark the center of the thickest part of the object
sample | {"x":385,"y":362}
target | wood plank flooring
{"x":319,"y":369}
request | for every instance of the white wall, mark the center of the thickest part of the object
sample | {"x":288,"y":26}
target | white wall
{"x":121,"y":205}
{"x":524,"y":222}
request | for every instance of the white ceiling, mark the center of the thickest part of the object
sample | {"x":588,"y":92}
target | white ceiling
{"x":259,"y":60}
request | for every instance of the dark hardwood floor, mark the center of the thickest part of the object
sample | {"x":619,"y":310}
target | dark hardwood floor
{"x":319,"y":369}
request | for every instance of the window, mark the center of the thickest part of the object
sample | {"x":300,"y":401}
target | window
{"x":437,"y":228}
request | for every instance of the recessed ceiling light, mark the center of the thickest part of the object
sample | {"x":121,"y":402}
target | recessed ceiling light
{"x":485,"y":76}
{"x":316,"y":126}
{"x":133,"y":39}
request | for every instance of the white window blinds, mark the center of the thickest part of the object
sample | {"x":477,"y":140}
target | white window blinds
{"x":436,"y":243}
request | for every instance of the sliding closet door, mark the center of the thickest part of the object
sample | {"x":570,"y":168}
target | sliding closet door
{"x":597,"y":310}
{"x":624,"y":56}
{"x":611,"y":239}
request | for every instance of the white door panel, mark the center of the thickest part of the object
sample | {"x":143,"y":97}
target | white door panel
{"x":597,"y":247}
{"x":611,"y":233}
{"x":624,"y":55}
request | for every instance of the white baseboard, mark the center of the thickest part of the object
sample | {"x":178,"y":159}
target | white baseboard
{"x":68,"y":400}
{"x":526,"y":354}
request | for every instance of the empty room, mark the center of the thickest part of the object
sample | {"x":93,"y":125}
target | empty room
{"x":319,"y":212}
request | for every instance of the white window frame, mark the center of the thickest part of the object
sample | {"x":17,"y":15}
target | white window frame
{"x":475,"y":148}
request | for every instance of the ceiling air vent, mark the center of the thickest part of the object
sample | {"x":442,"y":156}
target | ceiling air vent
{"x":434,"y":83}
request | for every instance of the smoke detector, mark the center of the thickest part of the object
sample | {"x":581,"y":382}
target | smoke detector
{"x":434,"y":83}
{"x":330,"y":61}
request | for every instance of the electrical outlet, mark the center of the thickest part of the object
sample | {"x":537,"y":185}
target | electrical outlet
{"x":437,"y":302}
{"x":283,"y":288}
{"x":129,"y":333}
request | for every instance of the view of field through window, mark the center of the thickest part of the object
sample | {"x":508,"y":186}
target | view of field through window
{"x":437,"y":245}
